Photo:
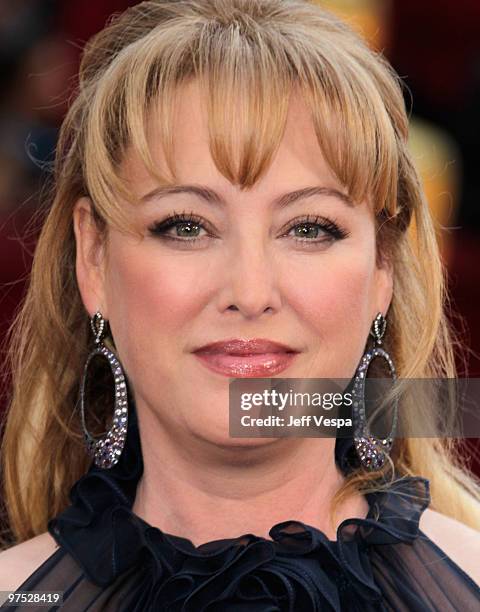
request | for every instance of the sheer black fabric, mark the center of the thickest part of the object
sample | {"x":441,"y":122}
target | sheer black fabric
{"x":110,"y":559}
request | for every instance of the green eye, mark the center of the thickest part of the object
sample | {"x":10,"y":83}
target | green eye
{"x":187,"y":229}
{"x":306,"y":230}
{"x":316,"y":229}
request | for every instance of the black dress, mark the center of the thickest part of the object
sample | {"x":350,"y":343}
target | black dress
{"x":110,"y":559}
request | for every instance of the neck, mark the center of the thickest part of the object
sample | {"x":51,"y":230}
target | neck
{"x":203,"y":492}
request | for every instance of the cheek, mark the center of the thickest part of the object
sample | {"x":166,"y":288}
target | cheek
{"x":150,"y":302}
{"x":334,"y":299}
{"x":340,"y":290}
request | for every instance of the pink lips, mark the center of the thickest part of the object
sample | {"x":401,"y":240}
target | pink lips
{"x":239,"y":358}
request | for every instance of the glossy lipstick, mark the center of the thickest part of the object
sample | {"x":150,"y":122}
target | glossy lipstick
{"x":241,"y":358}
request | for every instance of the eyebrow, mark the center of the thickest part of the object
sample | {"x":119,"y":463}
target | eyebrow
{"x":212,"y":197}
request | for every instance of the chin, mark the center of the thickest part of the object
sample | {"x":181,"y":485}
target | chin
{"x":217,"y":434}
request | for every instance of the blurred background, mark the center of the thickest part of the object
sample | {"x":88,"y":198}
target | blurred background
{"x":434,"y":45}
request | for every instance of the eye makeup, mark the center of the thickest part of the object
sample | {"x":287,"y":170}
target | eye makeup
{"x":324,"y":229}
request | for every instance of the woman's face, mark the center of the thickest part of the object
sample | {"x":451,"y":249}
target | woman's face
{"x":247,"y":267}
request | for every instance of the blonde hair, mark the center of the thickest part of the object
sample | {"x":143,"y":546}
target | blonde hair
{"x":248,"y":55}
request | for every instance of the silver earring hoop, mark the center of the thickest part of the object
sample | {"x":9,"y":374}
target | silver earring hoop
{"x":106,"y":451}
{"x":372,"y":451}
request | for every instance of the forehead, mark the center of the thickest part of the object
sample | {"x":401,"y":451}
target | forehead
{"x":297,"y":162}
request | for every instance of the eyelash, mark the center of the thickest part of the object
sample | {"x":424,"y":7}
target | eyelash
{"x":160,"y":228}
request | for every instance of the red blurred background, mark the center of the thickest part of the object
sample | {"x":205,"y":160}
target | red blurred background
{"x":433,"y":44}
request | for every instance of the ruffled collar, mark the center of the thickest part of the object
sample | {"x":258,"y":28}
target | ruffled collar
{"x":298,"y":568}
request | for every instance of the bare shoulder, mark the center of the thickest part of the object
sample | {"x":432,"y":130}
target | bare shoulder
{"x":460,"y":542}
{"x":18,"y":562}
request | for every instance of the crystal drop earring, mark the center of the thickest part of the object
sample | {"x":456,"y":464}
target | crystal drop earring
{"x":106,"y":451}
{"x":372,"y":451}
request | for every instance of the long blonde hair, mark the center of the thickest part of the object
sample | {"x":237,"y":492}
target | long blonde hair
{"x":248,"y":55}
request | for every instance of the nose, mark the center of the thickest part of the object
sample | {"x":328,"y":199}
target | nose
{"x":251,"y":281}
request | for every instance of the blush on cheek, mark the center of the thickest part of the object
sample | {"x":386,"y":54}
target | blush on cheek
{"x":333,"y":294}
{"x":334,"y":304}
{"x":151,"y":302}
